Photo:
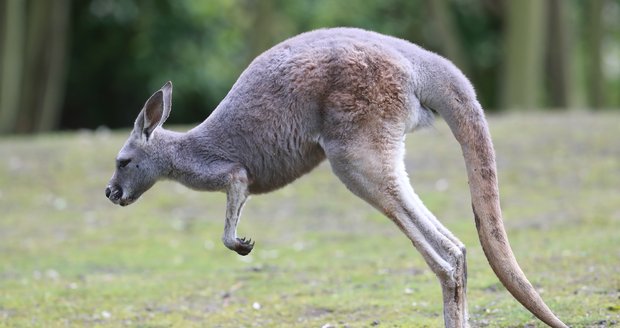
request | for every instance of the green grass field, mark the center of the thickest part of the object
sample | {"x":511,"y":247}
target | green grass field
{"x":323,"y":258}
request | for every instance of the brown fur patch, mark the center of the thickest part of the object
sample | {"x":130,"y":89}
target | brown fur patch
{"x":366,"y":87}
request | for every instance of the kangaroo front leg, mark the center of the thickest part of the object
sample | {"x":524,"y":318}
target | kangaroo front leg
{"x":236,"y":195}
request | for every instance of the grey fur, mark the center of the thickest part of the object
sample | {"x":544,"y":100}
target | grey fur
{"x":350,"y":96}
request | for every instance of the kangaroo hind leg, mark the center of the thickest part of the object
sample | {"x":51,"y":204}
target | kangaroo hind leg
{"x":375,"y":172}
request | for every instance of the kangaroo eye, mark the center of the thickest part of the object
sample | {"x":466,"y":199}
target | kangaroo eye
{"x":121,"y":163}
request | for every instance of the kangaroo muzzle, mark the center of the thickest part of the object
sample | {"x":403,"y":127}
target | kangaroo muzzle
{"x":114,"y":193}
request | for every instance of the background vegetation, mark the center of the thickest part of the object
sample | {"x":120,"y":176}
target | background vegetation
{"x":83,"y":64}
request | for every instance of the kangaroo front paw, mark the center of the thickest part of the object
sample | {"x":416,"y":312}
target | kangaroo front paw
{"x":243,"y":246}
{"x":240,"y":245}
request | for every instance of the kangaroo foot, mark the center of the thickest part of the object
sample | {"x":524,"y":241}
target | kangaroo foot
{"x":243,"y":246}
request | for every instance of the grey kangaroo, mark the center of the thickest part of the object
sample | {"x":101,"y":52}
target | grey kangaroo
{"x":350,"y":96}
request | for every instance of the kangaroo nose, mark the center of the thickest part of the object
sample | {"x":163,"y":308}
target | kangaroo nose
{"x":114,"y":193}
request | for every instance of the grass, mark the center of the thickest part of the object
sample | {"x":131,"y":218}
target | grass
{"x":323,"y":258}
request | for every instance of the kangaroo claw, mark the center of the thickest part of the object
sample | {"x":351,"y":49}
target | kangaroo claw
{"x":244,"y":246}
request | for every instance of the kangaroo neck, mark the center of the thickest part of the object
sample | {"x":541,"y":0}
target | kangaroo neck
{"x":169,"y":145}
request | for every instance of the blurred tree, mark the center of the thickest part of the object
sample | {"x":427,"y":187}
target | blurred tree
{"x":44,"y":74}
{"x":524,"y":50}
{"x":558,"y":56}
{"x":594,"y":65}
{"x":12,"y":38}
{"x":33,"y":57}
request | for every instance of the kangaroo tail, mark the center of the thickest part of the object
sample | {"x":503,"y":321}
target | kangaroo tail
{"x":454,"y":99}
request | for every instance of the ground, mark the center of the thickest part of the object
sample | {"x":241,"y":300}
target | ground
{"x":323,"y":258}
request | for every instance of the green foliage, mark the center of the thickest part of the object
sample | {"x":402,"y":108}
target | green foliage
{"x":71,"y":258}
{"x":123,"y":50}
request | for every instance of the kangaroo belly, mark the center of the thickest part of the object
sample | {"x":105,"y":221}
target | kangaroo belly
{"x":281,"y":166}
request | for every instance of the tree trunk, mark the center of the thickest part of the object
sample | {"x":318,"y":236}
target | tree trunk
{"x":12,"y":30}
{"x":594,"y":70}
{"x":558,"y":56}
{"x":33,"y":64}
{"x":54,"y":84}
{"x":524,"y":54}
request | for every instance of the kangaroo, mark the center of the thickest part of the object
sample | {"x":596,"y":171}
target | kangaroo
{"x":350,"y":96}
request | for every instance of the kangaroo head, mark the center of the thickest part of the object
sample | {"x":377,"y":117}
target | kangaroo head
{"x":141,"y":161}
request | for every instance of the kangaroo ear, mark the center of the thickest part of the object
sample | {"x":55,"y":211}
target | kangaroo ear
{"x":155,"y":111}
